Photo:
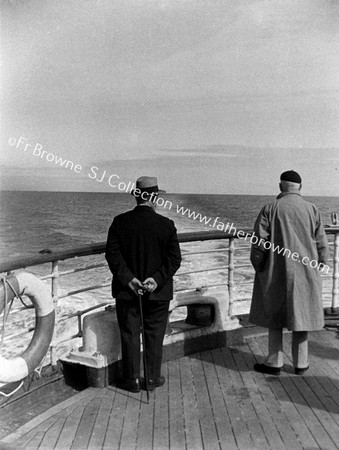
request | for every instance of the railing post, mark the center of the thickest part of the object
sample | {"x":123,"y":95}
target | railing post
{"x":335,"y":290}
{"x":231,"y":249}
{"x":55,"y":296}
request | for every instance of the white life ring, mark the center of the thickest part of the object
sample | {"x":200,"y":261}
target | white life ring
{"x":25,"y":283}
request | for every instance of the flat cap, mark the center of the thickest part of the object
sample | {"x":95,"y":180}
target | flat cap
{"x":290,"y":175}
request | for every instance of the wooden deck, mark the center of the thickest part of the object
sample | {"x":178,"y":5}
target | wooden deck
{"x":211,"y":400}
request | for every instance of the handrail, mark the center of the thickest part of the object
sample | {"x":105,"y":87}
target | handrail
{"x":20,"y":262}
{"x":56,"y":256}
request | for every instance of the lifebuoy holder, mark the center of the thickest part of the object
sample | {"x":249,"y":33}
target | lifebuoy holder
{"x":37,"y":291}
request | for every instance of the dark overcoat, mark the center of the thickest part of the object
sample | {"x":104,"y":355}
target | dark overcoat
{"x":287,"y":290}
{"x":142,"y":244}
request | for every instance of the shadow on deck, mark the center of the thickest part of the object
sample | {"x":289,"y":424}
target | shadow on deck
{"x":211,"y":400}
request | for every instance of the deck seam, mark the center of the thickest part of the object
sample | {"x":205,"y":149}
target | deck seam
{"x":268,"y":425}
{"x":106,"y":405}
{"x":92,"y":404}
{"x":216,"y":357}
{"x":239,"y":437}
{"x":119,"y":403}
{"x":225,"y":442}
{"x":47,"y":414}
{"x":267,"y":389}
{"x":52,"y":427}
{"x":256,"y":399}
{"x":70,"y":420}
{"x":203,"y":364}
{"x":161,"y":413}
{"x":192,"y":427}
{"x":177,"y":435}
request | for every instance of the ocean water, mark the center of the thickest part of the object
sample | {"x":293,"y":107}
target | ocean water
{"x":32,"y":221}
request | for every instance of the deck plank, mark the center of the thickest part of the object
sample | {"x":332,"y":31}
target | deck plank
{"x":258,"y":417}
{"x":312,"y":422}
{"x":323,"y":379}
{"x":34,"y":438}
{"x":70,"y":427}
{"x":161,"y":417}
{"x":101,"y":422}
{"x":229,"y":418}
{"x":328,"y":402}
{"x":316,"y":396}
{"x":326,"y":377}
{"x":327,"y":345}
{"x":231,"y":388}
{"x":272,"y":405}
{"x":29,"y":436}
{"x":252,"y":405}
{"x":267,"y":421}
{"x":219,"y":411}
{"x":35,"y":442}
{"x":41,"y":428}
{"x":44,"y":420}
{"x":130,"y":429}
{"x":190,"y":406}
{"x":279,"y":388}
{"x":85,"y":427}
{"x":205,"y":413}
{"x":52,"y":434}
{"x":175,"y":407}
{"x":302,"y":433}
{"x":323,"y":416}
{"x":146,"y":421}
{"x":116,"y":421}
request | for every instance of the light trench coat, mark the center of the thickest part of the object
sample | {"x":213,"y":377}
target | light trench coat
{"x":287,"y":292}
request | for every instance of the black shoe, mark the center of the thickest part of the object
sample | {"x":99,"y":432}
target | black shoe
{"x":152,"y":384}
{"x":132,"y":385}
{"x":262,"y":368}
{"x":299,"y":371}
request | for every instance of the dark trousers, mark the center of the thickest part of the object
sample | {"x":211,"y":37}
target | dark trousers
{"x":155,"y":320}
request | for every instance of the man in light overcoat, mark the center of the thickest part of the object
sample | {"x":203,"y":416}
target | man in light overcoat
{"x":290,"y":252}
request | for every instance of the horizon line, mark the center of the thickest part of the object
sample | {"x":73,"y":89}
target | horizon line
{"x":167,"y":193}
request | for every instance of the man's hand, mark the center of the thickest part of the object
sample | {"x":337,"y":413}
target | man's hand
{"x":150,"y":284}
{"x":136,"y":286}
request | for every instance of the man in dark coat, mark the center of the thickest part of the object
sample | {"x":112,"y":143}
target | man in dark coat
{"x":288,"y":256}
{"x":143,"y":254}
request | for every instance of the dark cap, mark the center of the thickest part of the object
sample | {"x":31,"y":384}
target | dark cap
{"x":290,"y":175}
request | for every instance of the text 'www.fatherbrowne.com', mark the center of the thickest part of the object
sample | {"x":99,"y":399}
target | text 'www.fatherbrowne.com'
{"x":264,"y":244}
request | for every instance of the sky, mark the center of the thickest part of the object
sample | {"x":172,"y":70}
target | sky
{"x":213,"y":96}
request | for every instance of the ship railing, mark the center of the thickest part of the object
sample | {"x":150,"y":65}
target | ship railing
{"x":55,"y":257}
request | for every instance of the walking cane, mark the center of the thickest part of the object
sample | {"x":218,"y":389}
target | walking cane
{"x":143,"y":347}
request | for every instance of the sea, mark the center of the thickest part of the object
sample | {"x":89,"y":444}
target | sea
{"x":32,"y":222}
